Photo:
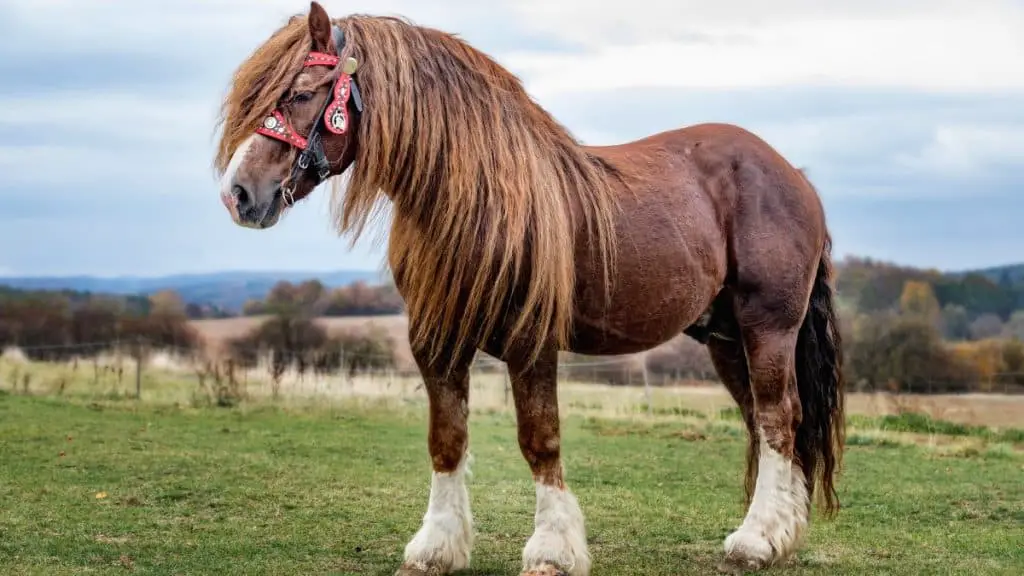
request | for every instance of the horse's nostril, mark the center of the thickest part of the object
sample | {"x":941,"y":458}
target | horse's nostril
{"x":240,"y":194}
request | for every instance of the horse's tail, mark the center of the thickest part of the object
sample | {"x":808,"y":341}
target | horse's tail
{"x":819,"y":366}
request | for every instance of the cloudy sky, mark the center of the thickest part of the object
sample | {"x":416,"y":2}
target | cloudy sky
{"x":909,"y":115}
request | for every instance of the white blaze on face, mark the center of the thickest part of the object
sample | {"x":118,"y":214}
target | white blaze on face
{"x":228,"y":179}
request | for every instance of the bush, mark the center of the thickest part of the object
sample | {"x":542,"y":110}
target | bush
{"x":294,"y":339}
{"x":373,"y":350}
{"x":288,"y":339}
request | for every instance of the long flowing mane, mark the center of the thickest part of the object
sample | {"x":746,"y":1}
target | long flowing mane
{"x":489,"y":191}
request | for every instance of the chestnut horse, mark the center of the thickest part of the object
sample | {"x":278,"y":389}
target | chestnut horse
{"x":509,"y":237}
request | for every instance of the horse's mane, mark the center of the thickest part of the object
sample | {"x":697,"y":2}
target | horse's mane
{"x":489,"y":191}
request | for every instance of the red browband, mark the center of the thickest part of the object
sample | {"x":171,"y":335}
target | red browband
{"x":335,"y":114}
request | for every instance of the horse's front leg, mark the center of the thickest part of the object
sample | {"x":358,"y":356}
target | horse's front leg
{"x":443,"y":543}
{"x":558,"y":545}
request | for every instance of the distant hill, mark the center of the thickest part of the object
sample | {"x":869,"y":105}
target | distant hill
{"x":1012,"y":273}
{"x":227,"y":290}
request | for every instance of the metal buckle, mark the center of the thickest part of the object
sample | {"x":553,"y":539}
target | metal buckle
{"x":287,"y":195}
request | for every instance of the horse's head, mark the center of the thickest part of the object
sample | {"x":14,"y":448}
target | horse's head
{"x":307,"y":137}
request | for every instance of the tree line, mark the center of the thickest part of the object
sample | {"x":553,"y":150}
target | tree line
{"x":57,"y":325}
{"x":871,"y":286}
{"x":312,"y":298}
{"x":904,"y":329}
{"x":919,"y":345}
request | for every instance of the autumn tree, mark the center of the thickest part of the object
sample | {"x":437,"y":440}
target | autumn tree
{"x":166,"y":302}
{"x":308,"y":296}
{"x":281,"y":298}
{"x":918,"y":300}
{"x":253,"y":307}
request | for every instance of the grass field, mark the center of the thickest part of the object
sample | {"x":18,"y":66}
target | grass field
{"x":106,"y":485}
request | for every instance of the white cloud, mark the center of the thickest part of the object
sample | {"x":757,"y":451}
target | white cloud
{"x":967,"y":150}
{"x":75,"y":168}
{"x":218,"y":28}
{"x":935,"y":47}
{"x":139,"y":117}
{"x":116,"y":140}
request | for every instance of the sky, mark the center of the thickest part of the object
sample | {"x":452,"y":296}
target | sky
{"x":908,"y":116}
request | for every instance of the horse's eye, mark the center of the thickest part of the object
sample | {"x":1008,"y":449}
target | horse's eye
{"x":301,"y":97}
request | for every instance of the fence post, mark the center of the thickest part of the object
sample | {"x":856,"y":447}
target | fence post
{"x":138,"y":368}
{"x":507,"y":386}
{"x":647,"y":388}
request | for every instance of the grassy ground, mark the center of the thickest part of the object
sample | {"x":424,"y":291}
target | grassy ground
{"x":108,"y":486}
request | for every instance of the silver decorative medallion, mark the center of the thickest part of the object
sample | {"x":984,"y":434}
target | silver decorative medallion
{"x":338,"y":119}
{"x":270,"y":123}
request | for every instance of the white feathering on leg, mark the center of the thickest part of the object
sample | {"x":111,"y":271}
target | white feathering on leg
{"x":445,"y":539}
{"x":560,"y":536}
{"x":777,"y":519}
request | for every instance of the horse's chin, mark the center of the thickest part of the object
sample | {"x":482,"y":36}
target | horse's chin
{"x":264,"y":215}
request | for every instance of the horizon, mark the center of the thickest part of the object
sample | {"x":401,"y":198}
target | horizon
{"x":327,"y":271}
{"x":915,"y":144}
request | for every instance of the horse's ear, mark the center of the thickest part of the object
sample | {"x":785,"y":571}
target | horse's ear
{"x":320,"y":28}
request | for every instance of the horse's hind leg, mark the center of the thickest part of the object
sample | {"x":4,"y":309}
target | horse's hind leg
{"x":444,"y":541}
{"x":725,"y":347}
{"x":769,"y":321}
{"x":558,"y":545}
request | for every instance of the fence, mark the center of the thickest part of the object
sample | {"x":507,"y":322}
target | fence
{"x":132,"y":369}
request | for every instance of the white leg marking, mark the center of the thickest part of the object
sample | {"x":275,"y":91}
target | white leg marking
{"x":559,"y":537}
{"x":445,"y":539}
{"x":227,"y":180}
{"x":777,"y":519}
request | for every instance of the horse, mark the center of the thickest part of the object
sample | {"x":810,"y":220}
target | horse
{"x":510,"y":237}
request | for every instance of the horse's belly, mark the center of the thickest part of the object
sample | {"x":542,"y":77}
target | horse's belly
{"x":649,"y":306}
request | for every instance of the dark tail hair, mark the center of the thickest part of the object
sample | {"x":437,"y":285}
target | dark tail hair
{"x":819,"y":377}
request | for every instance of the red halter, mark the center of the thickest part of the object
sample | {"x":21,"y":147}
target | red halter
{"x":333,"y":116}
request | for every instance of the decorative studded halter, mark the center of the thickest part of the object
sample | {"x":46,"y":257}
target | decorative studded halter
{"x":333,"y":116}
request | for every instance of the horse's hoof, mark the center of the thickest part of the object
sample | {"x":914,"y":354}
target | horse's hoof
{"x":747,"y":551}
{"x":738,"y":566}
{"x":545,"y":570}
{"x":418,"y":569}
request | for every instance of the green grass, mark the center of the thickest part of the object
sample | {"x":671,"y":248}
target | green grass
{"x":332,"y":490}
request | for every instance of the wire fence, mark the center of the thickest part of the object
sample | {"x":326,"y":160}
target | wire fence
{"x":134,"y":369}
